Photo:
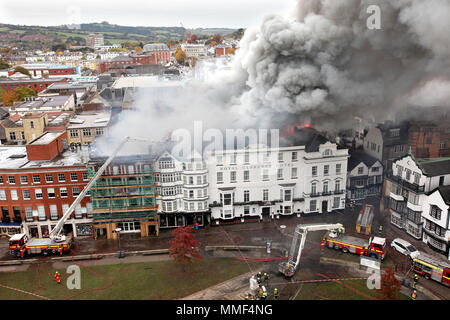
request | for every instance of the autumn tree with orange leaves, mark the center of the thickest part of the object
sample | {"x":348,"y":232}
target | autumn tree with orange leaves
{"x":9,"y":97}
{"x":183,"y":247}
{"x":390,"y":286}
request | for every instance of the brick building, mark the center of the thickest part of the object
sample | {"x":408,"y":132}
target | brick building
{"x":39,"y":70}
{"x":121,"y":63}
{"x":222,"y":50}
{"x":161,"y":50}
{"x":39,"y":182}
{"x":430,"y":139}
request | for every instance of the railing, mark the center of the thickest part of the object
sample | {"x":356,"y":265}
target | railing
{"x":123,"y":204}
{"x":412,"y":186}
{"x":312,"y":195}
{"x":100,"y":193}
{"x":215,"y":205}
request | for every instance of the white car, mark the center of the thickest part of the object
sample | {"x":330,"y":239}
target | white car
{"x":405,"y":248}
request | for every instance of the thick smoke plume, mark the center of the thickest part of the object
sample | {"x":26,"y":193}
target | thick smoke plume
{"x":326,"y":64}
{"x":322,"y":65}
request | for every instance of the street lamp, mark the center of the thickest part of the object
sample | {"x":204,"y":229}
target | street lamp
{"x":120,"y":254}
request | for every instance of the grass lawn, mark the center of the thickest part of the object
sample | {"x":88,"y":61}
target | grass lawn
{"x":337,"y":291}
{"x":147,"y":280}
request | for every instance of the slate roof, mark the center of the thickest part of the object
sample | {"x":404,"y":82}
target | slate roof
{"x":358,"y":156}
{"x":435,"y":166}
{"x":445,"y":192}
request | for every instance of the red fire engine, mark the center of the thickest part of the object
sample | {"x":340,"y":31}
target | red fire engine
{"x":19,"y":245}
{"x":431,"y":268}
{"x":374,"y":247}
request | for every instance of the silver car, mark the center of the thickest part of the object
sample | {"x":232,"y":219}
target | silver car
{"x":405,"y":248}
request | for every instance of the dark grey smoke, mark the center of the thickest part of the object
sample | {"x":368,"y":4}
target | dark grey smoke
{"x":325,"y":64}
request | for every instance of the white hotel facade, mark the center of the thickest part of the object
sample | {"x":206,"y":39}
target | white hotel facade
{"x":257,"y":183}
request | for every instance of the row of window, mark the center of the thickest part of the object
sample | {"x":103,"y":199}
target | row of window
{"x":264,"y":175}
{"x":227,"y":198}
{"x":13,"y":135}
{"x":53,"y":210}
{"x":232,"y":159}
{"x":325,"y":186}
{"x":187,"y":180}
{"x":49,"y":178}
{"x":366,"y":182}
{"x":130,"y":169}
{"x":26,"y":195}
{"x":171,"y":206}
{"x":373,"y":169}
{"x":408,"y":172}
{"x":313,"y":204}
{"x":169,"y":164}
{"x":326,"y":170}
{"x":12,"y":86}
{"x":436,"y":229}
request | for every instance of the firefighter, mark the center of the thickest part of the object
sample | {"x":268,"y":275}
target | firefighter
{"x":275,"y":294}
{"x":57,"y":277}
{"x":266,"y":279}
{"x":264,"y":296}
{"x":380,"y":229}
{"x":416,"y":279}
{"x":247,"y":297}
{"x":351,"y":205}
{"x":414,"y":295}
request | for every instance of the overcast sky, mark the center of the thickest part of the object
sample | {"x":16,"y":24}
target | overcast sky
{"x":192,"y":13}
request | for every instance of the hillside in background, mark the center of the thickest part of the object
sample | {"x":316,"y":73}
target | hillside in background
{"x":39,"y":37}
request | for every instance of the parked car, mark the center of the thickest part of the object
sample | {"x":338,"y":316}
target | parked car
{"x":405,"y":248}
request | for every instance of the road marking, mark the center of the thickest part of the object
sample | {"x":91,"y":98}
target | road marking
{"x":26,"y":292}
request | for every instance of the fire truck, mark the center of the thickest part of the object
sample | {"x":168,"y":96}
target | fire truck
{"x":431,"y":268}
{"x":20,"y":244}
{"x":373,"y":247}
